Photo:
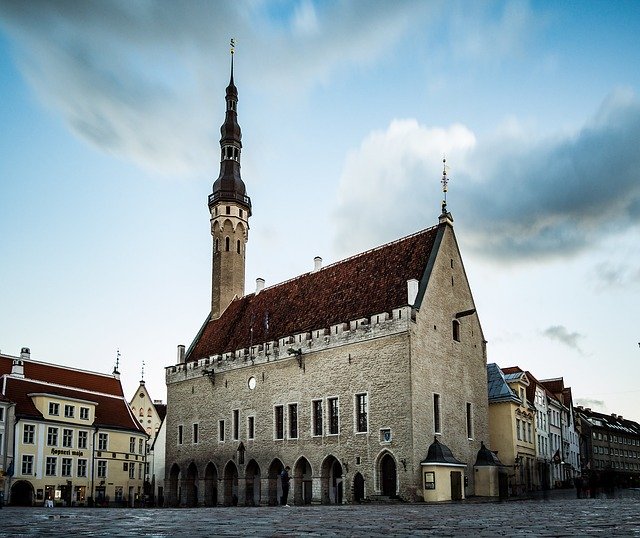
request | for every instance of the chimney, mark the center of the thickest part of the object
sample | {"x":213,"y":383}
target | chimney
{"x":17,"y":368}
{"x":259,"y":285}
{"x":25,"y":353}
{"x":180,"y":353}
{"x":412,"y":291}
{"x":317,"y":263}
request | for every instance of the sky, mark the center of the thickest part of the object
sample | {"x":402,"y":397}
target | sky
{"x":109,"y":146}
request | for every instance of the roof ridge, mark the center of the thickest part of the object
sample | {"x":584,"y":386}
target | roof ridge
{"x":53,"y":365}
{"x":70,"y":387}
{"x":344,"y":260}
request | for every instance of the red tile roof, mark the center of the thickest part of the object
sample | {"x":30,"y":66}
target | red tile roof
{"x":111,"y":411}
{"x":61,"y":375}
{"x":366,"y":284}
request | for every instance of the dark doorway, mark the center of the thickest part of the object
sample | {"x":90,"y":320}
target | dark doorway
{"x":191,"y":486}
{"x":388,"y":476}
{"x":210,"y":485}
{"x":275,"y":486}
{"x":22,"y":493}
{"x":358,"y":488}
{"x":302,"y":482}
{"x":331,"y":480}
{"x":252,"y":484}
{"x":456,"y":486}
{"x":173,"y":497}
{"x":231,"y":484}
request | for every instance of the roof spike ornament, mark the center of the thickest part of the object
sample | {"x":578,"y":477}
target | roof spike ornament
{"x":142,"y":377}
{"x":445,"y":216}
{"x":116,"y":368}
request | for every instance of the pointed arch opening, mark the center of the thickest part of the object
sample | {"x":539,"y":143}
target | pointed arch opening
{"x":275,"y":484}
{"x":210,"y":485}
{"x":252,"y":484}
{"x":190,"y":486}
{"x":230,"y":484}
{"x":358,"y":488}
{"x":331,"y":481}
{"x":387,"y":474}
{"x":174,"y":491}
{"x":302,"y":481}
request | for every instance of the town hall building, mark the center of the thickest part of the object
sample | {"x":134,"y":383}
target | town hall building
{"x":367,"y":376}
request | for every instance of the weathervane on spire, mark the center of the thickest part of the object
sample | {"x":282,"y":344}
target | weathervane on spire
{"x":445,"y":183}
{"x":117,"y":366}
{"x":142,"y":371}
{"x":233,"y":45}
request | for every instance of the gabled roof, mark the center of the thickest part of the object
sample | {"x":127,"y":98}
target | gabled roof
{"x":62,"y":375}
{"x":361,"y":286}
{"x":111,"y":411}
{"x":161,"y":409}
{"x":498,"y":388}
{"x":611,"y":422}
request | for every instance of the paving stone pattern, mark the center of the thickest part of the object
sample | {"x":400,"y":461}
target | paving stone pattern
{"x":569,"y":517}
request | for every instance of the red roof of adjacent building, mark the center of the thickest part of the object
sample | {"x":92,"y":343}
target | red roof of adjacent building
{"x":62,"y":375}
{"x":361,"y":286}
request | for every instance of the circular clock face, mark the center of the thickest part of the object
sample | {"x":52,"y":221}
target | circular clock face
{"x":251,"y":383}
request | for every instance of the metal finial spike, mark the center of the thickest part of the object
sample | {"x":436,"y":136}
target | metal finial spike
{"x":445,"y":183}
{"x":142,"y":370}
{"x":233,"y":45}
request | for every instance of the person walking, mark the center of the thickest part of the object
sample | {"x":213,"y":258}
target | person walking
{"x":285,"y":478}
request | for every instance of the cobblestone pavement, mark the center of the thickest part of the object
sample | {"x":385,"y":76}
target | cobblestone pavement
{"x":569,"y":517}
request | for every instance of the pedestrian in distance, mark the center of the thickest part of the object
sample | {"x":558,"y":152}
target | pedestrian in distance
{"x":285,"y":478}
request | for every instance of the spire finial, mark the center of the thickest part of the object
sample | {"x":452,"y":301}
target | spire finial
{"x":445,"y":183}
{"x":142,"y":378}
{"x":232,"y":44}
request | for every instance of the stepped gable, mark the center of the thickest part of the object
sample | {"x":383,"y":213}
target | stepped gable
{"x":62,"y":375}
{"x":358,"y":287}
{"x":110,"y":411}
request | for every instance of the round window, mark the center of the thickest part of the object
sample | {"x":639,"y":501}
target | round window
{"x":251,"y":383}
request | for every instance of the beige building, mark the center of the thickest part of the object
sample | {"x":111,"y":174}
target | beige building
{"x":512,"y":426}
{"x":74,"y":437}
{"x":149,"y":413}
{"x":346,"y":373}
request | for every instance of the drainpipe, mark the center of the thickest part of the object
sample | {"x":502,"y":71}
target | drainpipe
{"x":93,"y":464}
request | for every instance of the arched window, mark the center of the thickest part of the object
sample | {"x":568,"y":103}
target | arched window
{"x":149,"y":412}
{"x":141,"y":412}
{"x":238,"y":246}
{"x":226,"y":244}
{"x":455,"y":326}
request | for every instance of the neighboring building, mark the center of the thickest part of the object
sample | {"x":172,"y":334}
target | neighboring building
{"x":345,"y":373}
{"x":611,"y":449}
{"x":537,"y":394}
{"x":567,"y":460}
{"x":511,"y":426}
{"x":157,"y":470}
{"x":75,"y":438}
{"x":6,"y":444}
{"x":151,"y":413}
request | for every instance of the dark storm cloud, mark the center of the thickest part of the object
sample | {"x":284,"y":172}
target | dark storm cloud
{"x":559,"y":333}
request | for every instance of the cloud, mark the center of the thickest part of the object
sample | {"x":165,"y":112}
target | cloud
{"x":135,"y":79}
{"x":562,"y":335}
{"x":516,"y":198}
{"x":619,"y":276}
{"x":596,"y":405}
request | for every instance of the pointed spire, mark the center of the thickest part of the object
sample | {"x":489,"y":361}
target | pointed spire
{"x":445,"y":216}
{"x":229,"y":185}
{"x":116,"y":368}
{"x":142,"y":377}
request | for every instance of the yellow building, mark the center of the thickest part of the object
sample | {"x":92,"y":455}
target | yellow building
{"x":512,"y":426}
{"x":75,"y":438}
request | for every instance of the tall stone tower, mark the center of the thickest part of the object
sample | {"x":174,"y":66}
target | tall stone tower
{"x":230,"y":209}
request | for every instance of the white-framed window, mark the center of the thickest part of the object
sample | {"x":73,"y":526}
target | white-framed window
{"x":132,"y":444}
{"x":362,"y":413}
{"x":437,"y":423}
{"x":65,"y":468}
{"x":81,"y":468}
{"x":103,"y":441}
{"x":69,"y":411}
{"x":50,"y":466}
{"x":140,"y":446}
{"x":278,"y":422}
{"x":82,"y":439}
{"x":101,"y":469}
{"x":132,"y":470}
{"x":28,"y":434}
{"x":27,"y":465}
{"x":84,"y":413}
{"x":54,"y":409}
{"x":52,"y":436}
{"x":235,"y":425}
{"x":67,"y":438}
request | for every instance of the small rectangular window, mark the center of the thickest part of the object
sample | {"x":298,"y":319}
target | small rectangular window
{"x":236,"y":424}
{"x":50,"y":466}
{"x":52,"y":436}
{"x":334,"y":416}
{"x":251,"y":427}
{"x":66,"y":467}
{"x":317,"y":417}
{"x":84,"y":413}
{"x":27,"y":465}
{"x":180,"y":434}
{"x":221,"y":431}
{"x":28,"y":434}
{"x":69,"y":411}
{"x":54,"y":408}
{"x":469,"y":421}
{"x":437,"y":427}
{"x":67,"y":438}
{"x":132,"y":471}
{"x":195,"y":433}
{"x":103,"y":441}
{"x":293,"y":421}
{"x":82,"y":468}
{"x":82,"y":439}
{"x":132,"y":444}
{"x":361,"y":413}
{"x":278,"y":422}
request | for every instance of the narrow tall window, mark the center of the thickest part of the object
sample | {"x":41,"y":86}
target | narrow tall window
{"x":28,"y":434}
{"x":180,"y":434}
{"x":226,"y":244}
{"x":519,"y":435}
{"x":52,"y":436}
{"x":103,"y":441}
{"x":195,"y":433}
{"x":238,"y":246}
{"x":132,"y":444}
{"x":361,"y":413}
{"x":293,"y":421}
{"x":278,"y":422}
{"x":437,"y":427}
{"x":221,"y":431}
{"x":50,"y":466}
{"x":27,"y":465}
{"x":67,"y":438}
{"x":69,"y":411}
{"x":84,"y":413}
{"x":236,"y":424}
{"x":54,"y":408}
{"x":81,"y":468}
{"x":455,"y":325}
{"x":317,"y":417}
{"x":334,"y":417}
{"x":251,"y":427}
{"x":66,"y":467}
{"x":82,"y":439}
{"x":469,"y":421}
{"x":132,"y":471}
